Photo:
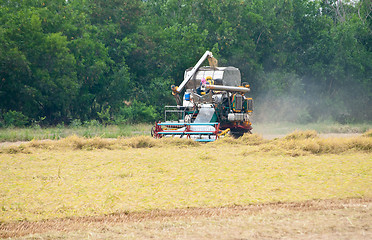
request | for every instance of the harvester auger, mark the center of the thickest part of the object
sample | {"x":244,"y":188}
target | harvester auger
{"x":215,"y":103}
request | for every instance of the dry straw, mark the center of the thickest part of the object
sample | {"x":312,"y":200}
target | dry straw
{"x":297,"y":143}
{"x":78,"y":176}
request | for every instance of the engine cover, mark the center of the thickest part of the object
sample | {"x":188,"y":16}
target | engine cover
{"x":234,"y":117}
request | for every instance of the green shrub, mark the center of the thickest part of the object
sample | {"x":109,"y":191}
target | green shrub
{"x":75,"y":123}
{"x":136,"y":112}
{"x":14,"y":118}
{"x":92,"y":123}
{"x":105,"y":115}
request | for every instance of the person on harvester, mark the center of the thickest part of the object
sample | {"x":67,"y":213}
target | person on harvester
{"x":204,"y":81}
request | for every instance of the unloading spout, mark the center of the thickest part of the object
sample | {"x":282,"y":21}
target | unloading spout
{"x":227,"y":88}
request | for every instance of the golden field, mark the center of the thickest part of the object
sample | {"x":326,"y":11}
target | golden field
{"x":88,"y":177}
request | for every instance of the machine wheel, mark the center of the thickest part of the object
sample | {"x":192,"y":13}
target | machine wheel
{"x":237,"y":133}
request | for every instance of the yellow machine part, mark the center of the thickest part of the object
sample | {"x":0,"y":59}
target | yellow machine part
{"x":248,"y":105}
{"x":224,"y":132}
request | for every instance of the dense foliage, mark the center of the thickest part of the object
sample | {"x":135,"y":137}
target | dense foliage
{"x":114,"y":61}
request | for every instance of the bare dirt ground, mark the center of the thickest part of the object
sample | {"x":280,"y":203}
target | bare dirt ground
{"x":317,"y":219}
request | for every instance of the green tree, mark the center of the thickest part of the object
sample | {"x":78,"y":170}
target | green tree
{"x":40,"y":77}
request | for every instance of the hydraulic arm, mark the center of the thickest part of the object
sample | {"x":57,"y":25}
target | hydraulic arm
{"x":190,"y":74}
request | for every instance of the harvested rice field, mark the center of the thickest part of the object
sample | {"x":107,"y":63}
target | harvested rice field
{"x":300,"y":186}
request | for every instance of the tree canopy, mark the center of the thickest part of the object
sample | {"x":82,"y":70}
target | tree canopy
{"x":306,"y":60}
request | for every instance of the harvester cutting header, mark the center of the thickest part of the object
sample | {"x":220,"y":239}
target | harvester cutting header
{"x":215,"y":103}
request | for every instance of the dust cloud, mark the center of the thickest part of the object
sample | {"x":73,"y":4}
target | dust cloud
{"x":284,"y":97}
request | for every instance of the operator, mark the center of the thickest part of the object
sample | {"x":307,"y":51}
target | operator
{"x":201,"y":88}
{"x":209,"y":80}
{"x":204,"y":81}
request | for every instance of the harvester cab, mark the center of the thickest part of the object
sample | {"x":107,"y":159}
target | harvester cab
{"x":215,"y":102}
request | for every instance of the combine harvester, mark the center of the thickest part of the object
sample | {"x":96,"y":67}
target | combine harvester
{"x":215,"y":103}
